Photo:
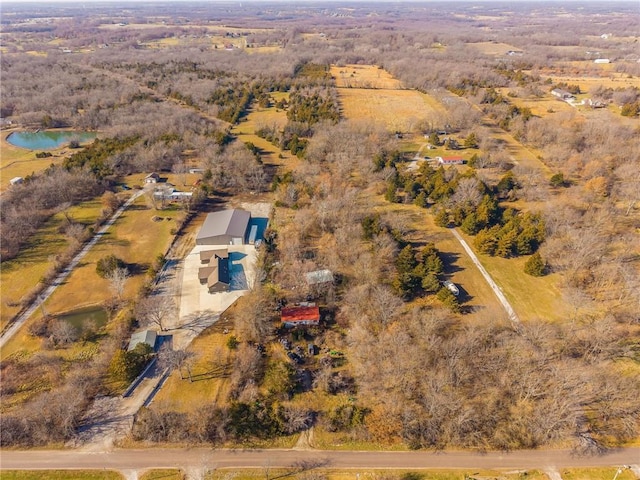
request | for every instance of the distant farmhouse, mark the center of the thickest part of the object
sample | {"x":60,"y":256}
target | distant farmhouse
{"x":299,"y":316}
{"x":214,"y":272}
{"x":450,"y":160}
{"x":16,"y":181}
{"x":562,"y":94}
{"x":227,"y":227}
{"x":152,"y":178}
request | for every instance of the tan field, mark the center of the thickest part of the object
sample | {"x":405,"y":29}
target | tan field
{"x":396,"y":110}
{"x":491,"y":48}
{"x":364,"y":76}
{"x":610,"y":80}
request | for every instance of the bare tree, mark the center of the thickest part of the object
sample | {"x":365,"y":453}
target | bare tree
{"x":117,"y":282}
{"x":156,"y":310}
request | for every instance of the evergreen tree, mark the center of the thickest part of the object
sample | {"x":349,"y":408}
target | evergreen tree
{"x":535,"y":265}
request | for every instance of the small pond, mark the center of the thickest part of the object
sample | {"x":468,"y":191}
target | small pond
{"x":81,"y":318}
{"x":47,"y":140}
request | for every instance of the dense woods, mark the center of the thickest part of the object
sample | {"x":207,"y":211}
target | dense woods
{"x":404,"y":361}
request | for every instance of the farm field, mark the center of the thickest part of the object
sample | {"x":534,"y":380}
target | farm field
{"x":396,"y":110}
{"x":364,"y":76}
{"x":61,"y":475}
{"x":264,"y":117}
{"x":587,"y":82}
{"x":494,"y":48}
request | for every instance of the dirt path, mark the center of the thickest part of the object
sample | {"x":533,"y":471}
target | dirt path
{"x":496,"y":289}
{"x":62,"y":276}
{"x":211,"y":459}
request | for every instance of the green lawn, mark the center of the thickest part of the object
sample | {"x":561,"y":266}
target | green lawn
{"x":60,"y":475}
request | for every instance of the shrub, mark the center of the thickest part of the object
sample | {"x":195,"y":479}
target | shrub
{"x":106,"y":265}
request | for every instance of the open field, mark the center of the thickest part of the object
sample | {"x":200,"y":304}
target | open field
{"x":476,"y":295}
{"x":493,"y":48}
{"x":21,"y":275}
{"x":364,"y":76}
{"x":396,"y":110}
{"x":539,"y":106}
{"x":586,"y":83}
{"x":257,"y":118}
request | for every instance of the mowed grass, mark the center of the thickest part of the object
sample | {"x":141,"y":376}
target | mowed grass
{"x":475,"y":294}
{"x":531,"y":297}
{"x":364,"y":76}
{"x":395,"y":110}
{"x":353,"y":473}
{"x":596,"y":474}
{"x":60,"y":475}
{"x":22,"y":274}
{"x":539,"y":106}
{"x":210,"y":373}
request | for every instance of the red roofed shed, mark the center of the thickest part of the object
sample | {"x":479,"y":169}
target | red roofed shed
{"x":294,"y":316}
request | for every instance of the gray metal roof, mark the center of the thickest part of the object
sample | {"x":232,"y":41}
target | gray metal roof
{"x":225,"y":222}
{"x":145,"y":336}
{"x":319,"y":276}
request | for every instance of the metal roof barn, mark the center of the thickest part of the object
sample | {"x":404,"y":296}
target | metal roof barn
{"x":227,"y":227}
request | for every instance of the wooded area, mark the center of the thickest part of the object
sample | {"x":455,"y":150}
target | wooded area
{"x":401,"y":359}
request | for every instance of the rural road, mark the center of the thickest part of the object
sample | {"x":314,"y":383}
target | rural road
{"x":211,"y":459}
{"x":496,"y":289}
{"x":19,"y":321}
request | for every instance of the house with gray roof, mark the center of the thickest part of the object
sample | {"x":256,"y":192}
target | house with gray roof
{"x":226,"y":227}
{"x":215,"y":270}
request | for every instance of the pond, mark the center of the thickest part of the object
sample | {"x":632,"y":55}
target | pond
{"x":47,"y":140}
{"x":80,"y":319}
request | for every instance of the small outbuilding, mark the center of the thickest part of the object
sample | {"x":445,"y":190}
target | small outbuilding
{"x":16,"y":181}
{"x":226,"y":227}
{"x":300,"y":315}
{"x":319,"y":277}
{"x":152,"y":178}
{"x":145,"y":336}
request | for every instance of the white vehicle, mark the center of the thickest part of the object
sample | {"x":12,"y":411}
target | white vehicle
{"x":451,"y":287}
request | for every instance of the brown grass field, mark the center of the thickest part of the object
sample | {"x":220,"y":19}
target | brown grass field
{"x":364,"y":473}
{"x":364,"y":76}
{"x":493,"y":48}
{"x":396,"y":110}
{"x":21,"y":275}
{"x":608,"y":80}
